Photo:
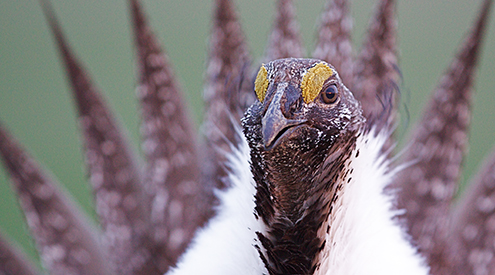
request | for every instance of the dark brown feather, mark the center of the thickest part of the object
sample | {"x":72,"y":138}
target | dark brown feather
{"x":178,"y":202}
{"x":66,"y":241}
{"x":376,"y":73}
{"x":285,"y":40}
{"x":473,"y":225}
{"x":228,"y":90}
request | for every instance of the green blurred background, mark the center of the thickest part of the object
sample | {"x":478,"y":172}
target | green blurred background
{"x":35,"y":103}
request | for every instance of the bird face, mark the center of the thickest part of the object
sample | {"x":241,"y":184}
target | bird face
{"x":303,"y":109}
{"x":302,"y":103}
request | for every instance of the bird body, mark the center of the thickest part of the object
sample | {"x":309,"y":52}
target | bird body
{"x":303,"y":183}
{"x":314,"y":200}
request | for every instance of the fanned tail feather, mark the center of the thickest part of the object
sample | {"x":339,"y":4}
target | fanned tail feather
{"x":428,"y":186}
{"x":228,"y":89}
{"x":13,"y":261}
{"x":178,"y":202}
{"x":285,"y":40}
{"x":66,"y":241}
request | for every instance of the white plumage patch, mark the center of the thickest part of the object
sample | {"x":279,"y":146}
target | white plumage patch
{"x":226,"y":245}
{"x":364,"y":238}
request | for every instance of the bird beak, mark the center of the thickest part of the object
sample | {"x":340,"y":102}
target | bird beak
{"x":274,"y":123}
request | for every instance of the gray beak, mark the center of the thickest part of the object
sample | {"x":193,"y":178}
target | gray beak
{"x":274,"y":123}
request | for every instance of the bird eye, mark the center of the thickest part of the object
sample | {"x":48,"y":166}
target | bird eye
{"x":330,"y":94}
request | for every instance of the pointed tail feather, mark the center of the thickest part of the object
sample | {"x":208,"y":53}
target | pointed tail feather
{"x":13,"y":261}
{"x":112,"y":170}
{"x":66,"y":241}
{"x":179,"y":204}
{"x":428,"y":186}
{"x":285,"y":40}
{"x":376,"y":73}
{"x":228,"y":90}
{"x":473,"y":225}
{"x":334,"y":44}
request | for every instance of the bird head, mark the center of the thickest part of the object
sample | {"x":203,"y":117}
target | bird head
{"x":301,"y":132}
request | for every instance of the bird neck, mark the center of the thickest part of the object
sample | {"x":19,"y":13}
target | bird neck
{"x":296,"y":190}
{"x":339,"y":219}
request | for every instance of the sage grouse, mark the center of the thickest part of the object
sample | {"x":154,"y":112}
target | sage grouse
{"x":296,"y":175}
